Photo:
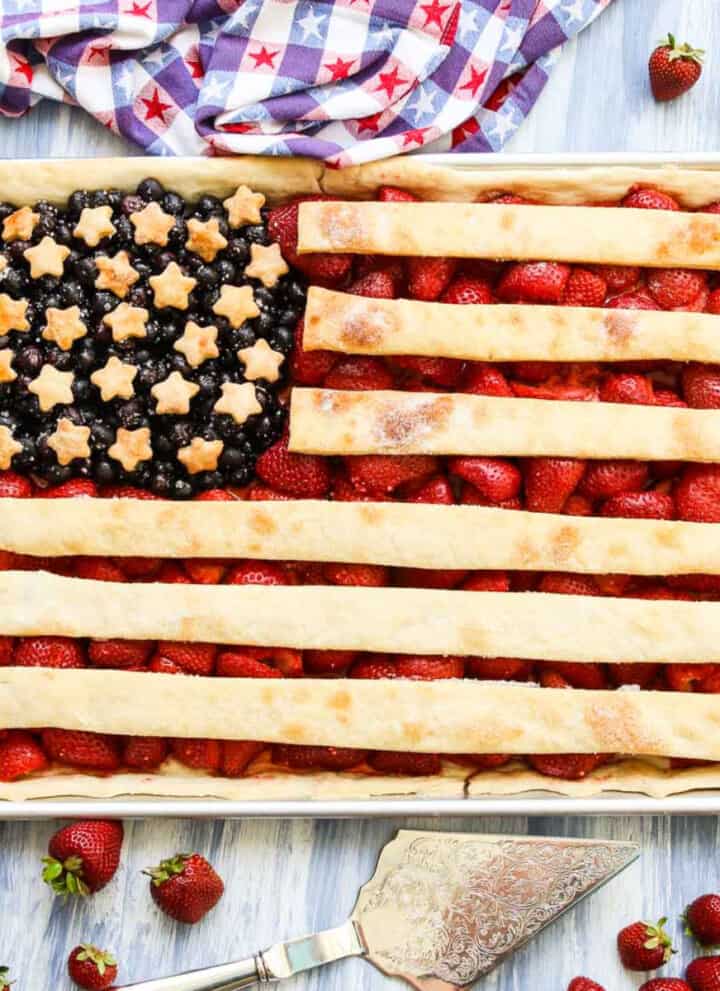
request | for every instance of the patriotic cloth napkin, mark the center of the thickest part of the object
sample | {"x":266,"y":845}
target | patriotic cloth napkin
{"x":347,"y":81}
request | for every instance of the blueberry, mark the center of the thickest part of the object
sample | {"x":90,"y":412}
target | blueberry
{"x":29,"y":360}
{"x":238,"y":251}
{"x":150,"y":189}
{"x":104,"y":303}
{"x":132,"y":204}
{"x":207,"y":276}
{"x":181,"y":489}
{"x":14,"y":282}
{"x":72,"y":293}
{"x":173,"y":203}
{"x":209,"y":206}
{"x":77,"y":202}
{"x":104,"y":471}
{"x":225,"y":270}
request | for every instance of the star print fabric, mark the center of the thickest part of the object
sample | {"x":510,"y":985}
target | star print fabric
{"x":348,"y":81}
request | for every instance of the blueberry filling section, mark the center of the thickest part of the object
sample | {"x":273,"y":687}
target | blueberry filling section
{"x":154,"y":355}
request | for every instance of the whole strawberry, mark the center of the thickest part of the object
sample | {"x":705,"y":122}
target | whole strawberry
{"x":185,"y":887}
{"x":83,"y":856}
{"x":674,"y":69}
{"x":703,"y":974}
{"x":584,"y":984}
{"x":91,"y":968}
{"x":665,"y":984}
{"x":702,"y":920}
{"x":5,"y":981}
{"x":644,"y":946}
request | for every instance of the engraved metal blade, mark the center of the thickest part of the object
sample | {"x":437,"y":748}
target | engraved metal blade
{"x":442,"y":909}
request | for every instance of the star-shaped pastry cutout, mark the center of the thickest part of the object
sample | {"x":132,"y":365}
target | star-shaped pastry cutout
{"x":131,"y":447}
{"x":127,"y":321}
{"x":266,"y":264}
{"x":64,"y":327}
{"x":115,"y":379}
{"x":46,"y":258}
{"x":52,"y":388}
{"x":69,"y":441}
{"x":12,"y":314}
{"x":7,"y":356}
{"x":3,"y":263}
{"x":95,"y":223}
{"x":116,"y":274}
{"x":174,"y":394}
{"x":237,"y":303}
{"x":172,"y":288}
{"x":198,"y":343}
{"x":261,"y":362}
{"x":238,"y":401}
{"x":8,"y":447}
{"x":152,"y":225}
{"x":243,"y":207}
{"x":200,"y":455}
{"x":18,"y":226}
{"x":205,"y":238}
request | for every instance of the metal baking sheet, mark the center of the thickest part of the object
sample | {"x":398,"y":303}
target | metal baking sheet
{"x":530,"y":804}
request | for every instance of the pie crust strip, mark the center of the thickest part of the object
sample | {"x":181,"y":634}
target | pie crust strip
{"x":612,"y":235}
{"x":337,"y":321}
{"x":397,"y":620}
{"x":325,"y":421}
{"x":393,"y":534}
{"x":442,"y":716}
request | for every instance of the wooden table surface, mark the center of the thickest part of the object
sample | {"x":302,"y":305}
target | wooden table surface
{"x":288,"y":877}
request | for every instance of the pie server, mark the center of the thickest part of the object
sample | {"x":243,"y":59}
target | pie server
{"x":441,"y":910}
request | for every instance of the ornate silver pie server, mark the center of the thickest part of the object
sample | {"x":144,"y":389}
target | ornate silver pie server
{"x":441,"y":910}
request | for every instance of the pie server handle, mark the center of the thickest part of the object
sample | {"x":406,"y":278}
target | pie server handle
{"x":274,"y":964}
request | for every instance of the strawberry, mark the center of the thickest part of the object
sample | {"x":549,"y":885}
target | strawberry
{"x":498,"y":669}
{"x":618,"y":278}
{"x":428,"y":577}
{"x":697,"y":494}
{"x":14,"y":486}
{"x":172,"y":574}
{"x":604,"y":479}
{"x":633,"y":674}
{"x":639,"y":300}
{"x":322,"y":269}
{"x":83,"y":857}
{"x":569,"y":767}
{"x":82,"y":749}
{"x":666,"y":397}
{"x":237,"y":755}
{"x":359,"y":575}
{"x":185,"y":887}
{"x":423,"y":668}
{"x":644,"y":946}
{"x":534,"y":282}
{"x":98,"y":569}
{"x":494,"y":478}
{"x":261,"y":493}
{"x":677,"y":288}
{"x":139,"y":567}
{"x":584,"y":984}
{"x":551,"y":679}
{"x":329,"y":661}
{"x":564,"y":584}
{"x":556,"y":390}
{"x":200,"y":755}
{"x":309,"y":367}
{"x":381,"y":474}
{"x":701,"y":385}
{"x":20,"y":755}
{"x":578,"y":675}
{"x":713,"y":301}
{"x":703,"y":974}
{"x":549,"y":482}
{"x":437,"y":371}
{"x":144,"y":753}
{"x":49,"y":652}
{"x":665,"y":984}
{"x":429,"y":277}
{"x":689,"y":677}
{"x":127,"y":492}
{"x":640,"y":506}
{"x":377,"y":284}
{"x":74,"y":489}
{"x":584,"y":288}
{"x":702,"y":920}
{"x":481,"y":379}
{"x":578,"y":505}
{"x":303,"y":475}
{"x":257,"y":573}
{"x":395,"y":762}
{"x":436,"y":491}
{"x":487,"y":581}
{"x":343,"y":491}
{"x":674,"y":69}
{"x":466,"y":290}
{"x":359,"y":372}
{"x":204,"y":570}
{"x":91,"y":968}
{"x":373,"y":666}
{"x":481,"y":762}
{"x":649,"y":199}
{"x":305,"y":758}
{"x":236,"y":664}
{"x":118,"y":653}
{"x":623,"y":387}
{"x":192,"y":658}
{"x":391,"y":194}
{"x":214,"y":495}
{"x":536,"y":371}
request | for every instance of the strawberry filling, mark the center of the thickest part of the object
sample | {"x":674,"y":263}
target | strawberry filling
{"x":630,"y":489}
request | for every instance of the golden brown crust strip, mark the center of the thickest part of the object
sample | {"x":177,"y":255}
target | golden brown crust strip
{"x":338,"y":321}
{"x":396,"y":620}
{"x":395,"y":534}
{"x":659,"y":238}
{"x":442,"y":716}
{"x":324,"y":421}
